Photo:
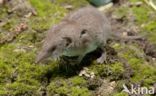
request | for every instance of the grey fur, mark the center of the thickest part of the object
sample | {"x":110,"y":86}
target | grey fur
{"x":76,"y":35}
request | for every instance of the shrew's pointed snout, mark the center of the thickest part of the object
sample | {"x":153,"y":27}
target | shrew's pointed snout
{"x":41,"y":56}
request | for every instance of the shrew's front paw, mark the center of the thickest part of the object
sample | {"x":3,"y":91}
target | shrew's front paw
{"x":102,"y":59}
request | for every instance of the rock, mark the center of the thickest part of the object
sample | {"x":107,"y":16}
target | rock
{"x":21,"y":7}
{"x":106,"y":89}
{"x":68,"y":7}
{"x":86,"y":73}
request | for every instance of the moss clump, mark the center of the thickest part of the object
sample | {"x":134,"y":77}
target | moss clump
{"x":146,"y":21}
{"x":121,"y":12}
{"x":117,"y":71}
{"x":75,"y":4}
{"x":70,"y":87}
{"x":20,"y":76}
{"x":150,"y":28}
{"x":138,"y":11}
{"x":48,"y":13}
{"x":147,"y":72}
{"x":121,"y":94}
{"x":78,"y":81}
{"x":112,"y":71}
{"x":143,"y":71}
{"x":19,"y":89}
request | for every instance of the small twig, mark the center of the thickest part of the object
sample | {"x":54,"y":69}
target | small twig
{"x":14,"y":33}
{"x":150,"y":2}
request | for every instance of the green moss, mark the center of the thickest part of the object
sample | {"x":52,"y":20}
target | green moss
{"x":150,"y":26}
{"x":77,"y":81}
{"x":19,"y":75}
{"x":121,"y":94}
{"x":101,"y":70}
{"x":3,"y":12}
{"x":128,"y":53}
{"x":146,"y":73}
{"x":74,"y":3}
{"x":71,"y":87}
{"x":44,"y":8}
{"x":48,"y":14}
{"x":138,"y":11}
{"x":117,"y":71}
{"x":150,"y":29}
{"x":147,"y":20}
{"x":143,"y":16}
{"x":2,"y":91}
{"x":142,"y":70}
{"x":121,"y":12}
{"x":77,"y":91}
{"x":113,"y":71}
{"x":19,"y":89}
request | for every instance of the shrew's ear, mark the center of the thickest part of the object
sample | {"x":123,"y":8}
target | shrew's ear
{"x":68,"y":41}
{"x":83,"y":32}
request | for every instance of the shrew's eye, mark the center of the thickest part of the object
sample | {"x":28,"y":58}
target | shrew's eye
{"x":68,"y":41}
{"x":83,"y":32}
{"x":52,"y":49}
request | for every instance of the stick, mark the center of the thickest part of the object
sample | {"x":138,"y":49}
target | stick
{"x":150,"y":2}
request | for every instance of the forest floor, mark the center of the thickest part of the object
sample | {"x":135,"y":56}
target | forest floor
{"x":23,"y":27}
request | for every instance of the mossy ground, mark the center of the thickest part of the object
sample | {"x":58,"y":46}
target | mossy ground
{"x":20,"y":76}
